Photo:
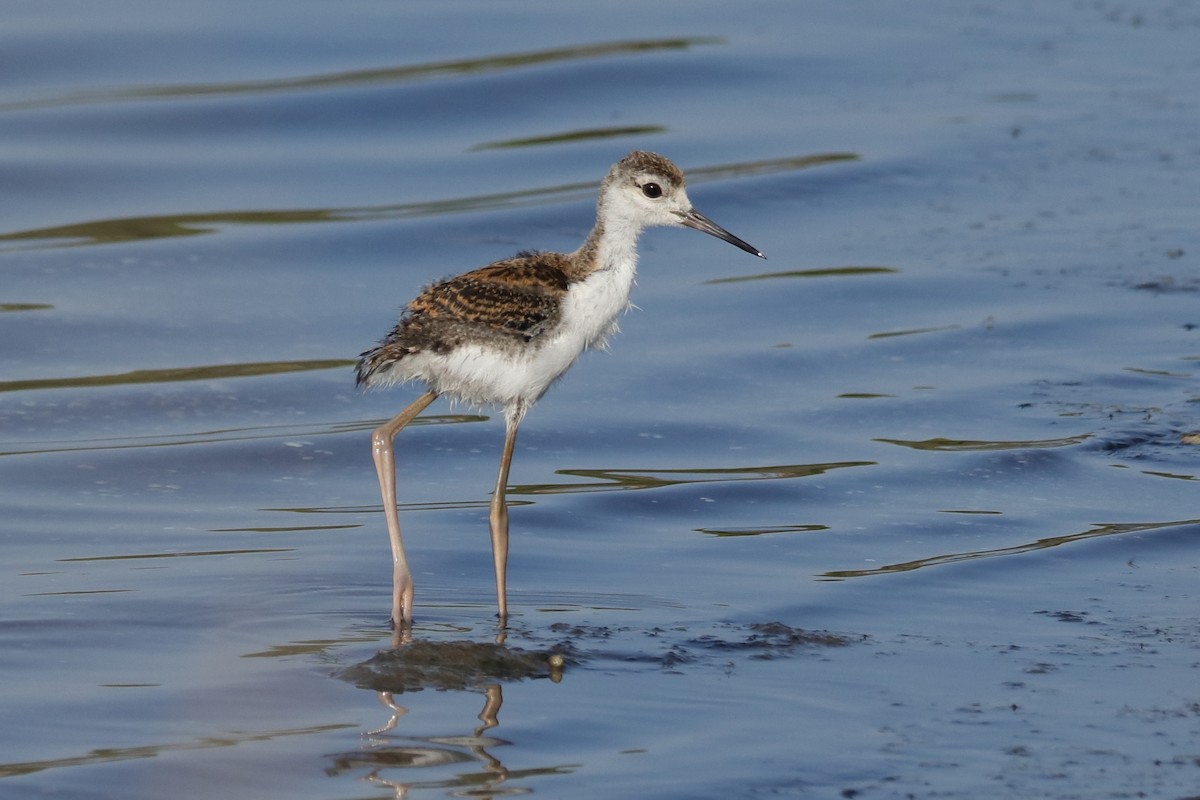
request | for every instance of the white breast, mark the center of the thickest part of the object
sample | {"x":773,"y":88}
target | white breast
{"x":591,"y":306}
{"x":483,"y":375}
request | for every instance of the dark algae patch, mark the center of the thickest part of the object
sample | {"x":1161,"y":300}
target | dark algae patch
{"x":462,"y":665}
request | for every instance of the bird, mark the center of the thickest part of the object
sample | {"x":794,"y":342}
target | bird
{"x":501,"y":335}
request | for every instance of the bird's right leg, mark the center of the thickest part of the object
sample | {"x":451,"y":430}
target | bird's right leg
{"x":498,"y":516}
{"x":385,"y":468}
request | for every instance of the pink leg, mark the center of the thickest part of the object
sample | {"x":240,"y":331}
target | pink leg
{"x":498,"y":518}
{"x":385,"y":468}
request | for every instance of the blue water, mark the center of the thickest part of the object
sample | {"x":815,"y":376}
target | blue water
{"x":949,"y":426}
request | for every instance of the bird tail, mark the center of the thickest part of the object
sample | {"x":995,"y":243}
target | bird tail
{"x":377,"y":361}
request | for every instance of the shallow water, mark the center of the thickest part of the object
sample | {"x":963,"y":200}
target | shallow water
{"x":909,"y":509}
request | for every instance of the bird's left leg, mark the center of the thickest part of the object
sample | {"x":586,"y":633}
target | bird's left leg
{"x":385,"y":468}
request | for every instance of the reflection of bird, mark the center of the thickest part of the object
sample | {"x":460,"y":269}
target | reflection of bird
{"x":500,"y":335}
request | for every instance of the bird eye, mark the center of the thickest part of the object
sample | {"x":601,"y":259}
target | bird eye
{"x":652,"y":190}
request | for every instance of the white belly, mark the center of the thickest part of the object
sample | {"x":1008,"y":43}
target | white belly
{"x":484,"y":375}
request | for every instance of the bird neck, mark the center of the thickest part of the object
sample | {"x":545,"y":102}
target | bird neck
{"x":612,"y":245}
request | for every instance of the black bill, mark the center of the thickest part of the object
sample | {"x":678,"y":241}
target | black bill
{"x":694,"y":219}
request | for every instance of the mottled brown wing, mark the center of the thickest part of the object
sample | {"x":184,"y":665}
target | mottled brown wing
{"x":519,"y":298}
{"x":506,"y":304}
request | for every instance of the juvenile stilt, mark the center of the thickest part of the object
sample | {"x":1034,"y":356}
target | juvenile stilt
{"x":502,"y":334}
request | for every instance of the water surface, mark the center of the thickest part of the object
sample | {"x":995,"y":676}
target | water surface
{"x":909,"y":509}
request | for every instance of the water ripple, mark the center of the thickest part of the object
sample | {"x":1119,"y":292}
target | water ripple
{"x":969,"y":445}
{"x":365,"y":77}
{"x":608,"y":480}
{"x":251,"y":433}
{"x":587,"y":134}
{"x":131,"y":229}
{"x":173,"y":374}
{"x":108,"y":755}
{"x":1097,"y":530}
{"x":826,"y":272}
